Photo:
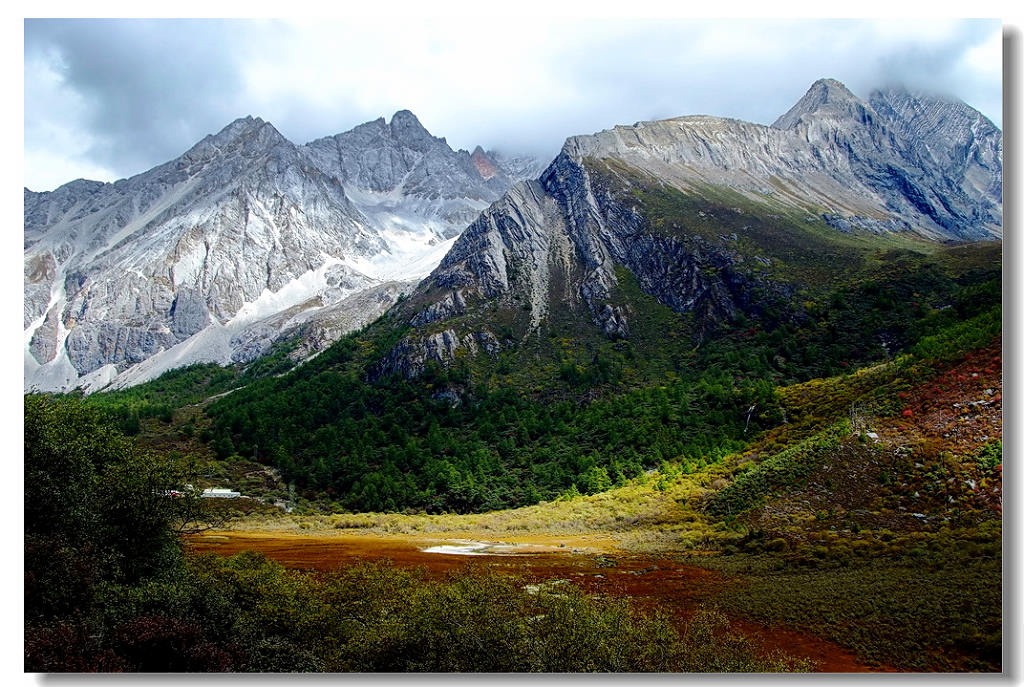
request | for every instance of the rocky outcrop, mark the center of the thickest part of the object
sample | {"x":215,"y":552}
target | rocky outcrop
{"x":485,"y":166}
{"x":316,"y":326}
{"x":40,"y":273}
{"x":117,"y":344}
{"x":410,"y":357}
{"x":452,"y":305}
{"x":188,"y":313}
{"x":43,"y":345}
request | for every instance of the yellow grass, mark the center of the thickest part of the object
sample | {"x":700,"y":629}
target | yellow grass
{"x":651,"y":514}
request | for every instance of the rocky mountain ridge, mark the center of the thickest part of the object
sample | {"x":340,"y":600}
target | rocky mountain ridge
{"x":242,"y":240}
{"x":923,"y":167}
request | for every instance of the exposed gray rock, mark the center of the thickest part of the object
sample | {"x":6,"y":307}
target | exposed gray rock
{"x":612,"y":321}
{"x":487,"y":341}
{"x":114,"y":344}
{"x":933,"y":161}
{"x":449,"y":396}
{"x":825,"y":98}
{"x":241,"y":228}
{"x":957,"y":155}
{"x":511,"y":251}
{"x":352,"y":313}
{"x":396,"y":168}
{"x":450,"y":306}
{"x":188,"y":313}
{"x":410,"y":356}
{"x":831,"y":153}
{"x":899,"y":163}
{"x":254,"y":341}
{"x":43,"y":345}
{"x":40,"y":272}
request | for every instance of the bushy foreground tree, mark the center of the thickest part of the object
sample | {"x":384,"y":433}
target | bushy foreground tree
{"x":97,"y":508}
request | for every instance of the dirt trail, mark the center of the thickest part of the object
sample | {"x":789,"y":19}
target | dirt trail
{"x":591,"y":563}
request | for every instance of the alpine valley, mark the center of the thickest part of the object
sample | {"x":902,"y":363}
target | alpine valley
{"x":699,"y":394}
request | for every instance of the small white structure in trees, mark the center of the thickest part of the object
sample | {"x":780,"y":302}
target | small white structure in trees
{"x":220,"y":493}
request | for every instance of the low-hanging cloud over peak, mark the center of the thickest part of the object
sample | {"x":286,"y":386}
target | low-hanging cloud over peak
{"x":110,"y":98}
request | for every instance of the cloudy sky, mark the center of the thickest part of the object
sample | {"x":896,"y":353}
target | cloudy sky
{"x":106,"y":99}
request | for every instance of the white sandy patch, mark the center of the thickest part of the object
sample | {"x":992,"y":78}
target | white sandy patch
{"x":467,"y":549}
{"x":472,"y":547}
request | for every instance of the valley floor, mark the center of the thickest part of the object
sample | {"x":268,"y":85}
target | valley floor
{"x":593,"y":563}
{"x":877,"y":551}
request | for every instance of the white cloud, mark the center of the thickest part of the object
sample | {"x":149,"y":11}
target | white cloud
{"x":136,"y":94}
{"x":57,"y":142}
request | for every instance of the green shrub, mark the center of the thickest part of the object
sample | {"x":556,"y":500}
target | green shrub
{"x":990,"y":455}
{"x":780,"y":472}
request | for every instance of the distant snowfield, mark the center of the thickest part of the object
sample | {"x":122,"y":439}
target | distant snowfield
{"x":414,"y":230}
{"x":295,"y":292}
{"x":412,"y":257}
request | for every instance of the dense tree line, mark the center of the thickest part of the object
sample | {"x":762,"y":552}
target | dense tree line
{"x":93,"y":510}
{"x":128,"y":408}
{"x":395,"y":444}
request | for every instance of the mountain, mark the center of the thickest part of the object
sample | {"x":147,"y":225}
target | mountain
{"x":649,"y":298}
{"x":399,"y":173}
{"x":936,"y":161}
{"x":714,"y":218}
{"x":774,"y":352}
{"x":243,"y":240}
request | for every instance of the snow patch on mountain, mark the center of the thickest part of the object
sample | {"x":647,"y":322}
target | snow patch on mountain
{"x":299,"y":290}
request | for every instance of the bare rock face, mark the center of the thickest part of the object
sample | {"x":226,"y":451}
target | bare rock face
{"x":245,"y":237}
{"x":897,"y":163}
{"x":398,"y":169}
{"x":147,"y":262}
{"x":189,"y":314}
{"x":450,"y":306}
{"x":484,"y":165}
{"x":934,"y":162}
{"x":91,"y":342}
{"x":957,"y":157}
{"x":40,"y":272}
{"x":834,"y":153}
{"x":43,"y":344}
{"x":410,"y":358}
{"x":354,"y":312}
{"x":517,"y":167}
